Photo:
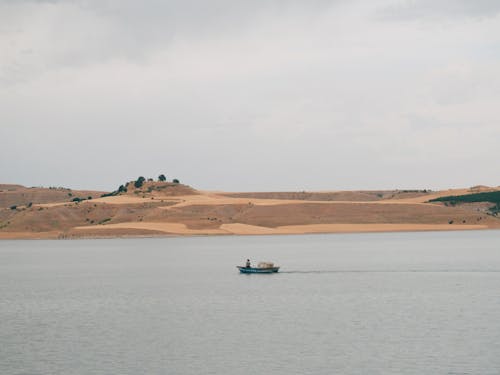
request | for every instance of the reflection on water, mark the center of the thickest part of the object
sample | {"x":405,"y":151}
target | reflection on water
{"x":405,"y":303}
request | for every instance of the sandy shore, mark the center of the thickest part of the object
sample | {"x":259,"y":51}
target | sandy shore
{"x":245,"y":229}
{"x":142,"y":229}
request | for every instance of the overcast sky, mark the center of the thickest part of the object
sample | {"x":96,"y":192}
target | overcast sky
{"x":250,"y":95}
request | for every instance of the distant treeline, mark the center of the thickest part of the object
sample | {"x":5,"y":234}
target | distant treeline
{"x":492,"y":196}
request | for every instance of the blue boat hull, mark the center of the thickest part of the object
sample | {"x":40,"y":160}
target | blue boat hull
{"x":257,"y":270}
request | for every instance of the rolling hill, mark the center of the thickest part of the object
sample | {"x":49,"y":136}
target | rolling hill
{"x":166,"y":208}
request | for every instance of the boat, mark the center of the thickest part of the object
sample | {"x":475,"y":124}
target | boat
{"x":257,"y":269}
{"x":262,"y":267}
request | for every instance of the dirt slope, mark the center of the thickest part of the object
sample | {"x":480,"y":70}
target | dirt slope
{"x":161,"y":208}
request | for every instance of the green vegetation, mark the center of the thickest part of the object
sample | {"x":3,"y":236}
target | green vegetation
{"x":13,"y":207}
{"x":104,"y":220}
{"x":495,"y":210}
{"x":77,"y":199}
{"x":121,"y":189}
{"x":490,"y":196}
{"x":138,"y":183}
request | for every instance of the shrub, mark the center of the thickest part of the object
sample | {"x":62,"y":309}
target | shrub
{"x":495,"y":209}
{"x":162,"y":178}
{"x":29,"y":204}
{"x":13,"y":207}
{"x":113,"y":193}
{"x":175,"y":181}
{"x":138,"y":183}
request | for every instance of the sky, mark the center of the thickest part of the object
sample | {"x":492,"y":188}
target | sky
{"x":250,"y":95}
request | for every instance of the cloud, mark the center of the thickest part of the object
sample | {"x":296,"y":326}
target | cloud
{"x":430,"y":9}
{"x":44,"y":35}
{"x":245,"y":95}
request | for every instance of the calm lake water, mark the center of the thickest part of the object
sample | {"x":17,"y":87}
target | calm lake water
{"x":396,"y":303}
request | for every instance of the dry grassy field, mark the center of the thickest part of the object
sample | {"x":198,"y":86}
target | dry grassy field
{"x":164,"y":208}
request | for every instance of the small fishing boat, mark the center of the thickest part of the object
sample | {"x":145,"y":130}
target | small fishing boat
{"x":262,"y":267}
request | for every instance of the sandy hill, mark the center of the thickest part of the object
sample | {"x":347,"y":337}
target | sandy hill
{"x":18,"y":195}
{"x":159,"y":189}
{"x":164,"y":208}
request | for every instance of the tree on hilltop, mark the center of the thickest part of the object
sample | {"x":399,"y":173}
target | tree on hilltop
{"x":175,"y":181}
{"x":162,"y":178}
{"x":138,"y":183}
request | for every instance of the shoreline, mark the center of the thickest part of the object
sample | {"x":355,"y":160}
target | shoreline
{"x":32,"y":237}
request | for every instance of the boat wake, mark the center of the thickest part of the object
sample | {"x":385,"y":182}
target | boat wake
{"x":390,"y":271}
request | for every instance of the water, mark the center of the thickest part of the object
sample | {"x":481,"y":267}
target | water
{"x":404,"y":303}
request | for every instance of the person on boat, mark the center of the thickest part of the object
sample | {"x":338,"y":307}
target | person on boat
{"x":247,"y":264}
